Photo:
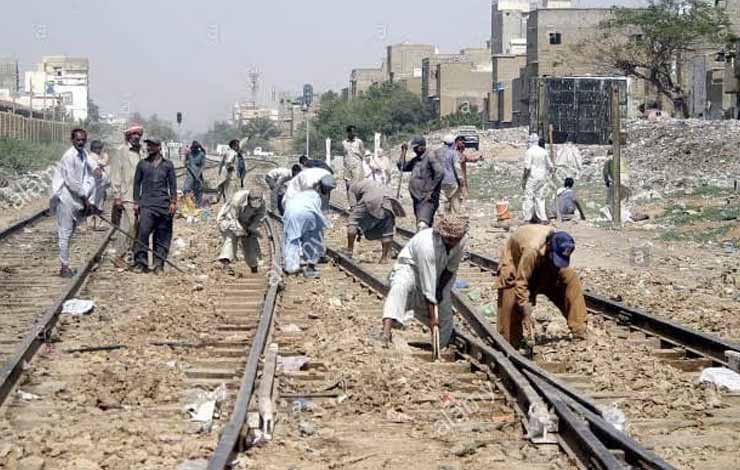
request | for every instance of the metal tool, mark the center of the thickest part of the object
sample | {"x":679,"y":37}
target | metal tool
{"x":435,"y":333}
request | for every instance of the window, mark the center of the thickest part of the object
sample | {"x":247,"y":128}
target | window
{"x":67,"y":98}
{"x":555,"y":38}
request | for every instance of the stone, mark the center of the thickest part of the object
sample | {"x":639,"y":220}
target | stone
{"x":306,"y":428}
{"x":32,"y":463}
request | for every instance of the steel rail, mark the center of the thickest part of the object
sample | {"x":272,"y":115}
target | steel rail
{"x":229,"y":441}
{"x":41,"y":331}
{"x":17,"y":226}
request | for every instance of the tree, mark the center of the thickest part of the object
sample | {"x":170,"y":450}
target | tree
{"x":260,"y":131}
{"x":221,"y":133}
{"x":648,"y":43}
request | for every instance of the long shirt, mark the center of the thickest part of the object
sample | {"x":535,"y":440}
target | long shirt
{"x":427,"y":254}
{"x":354,"y":152}
{"x":304,"y":181}
{"x":525,"y":252}
{"x":426,"y":175}
{"x":302,"y":215}
{"x":538,"y":162}
{"x":73,"y":182}
{"x":122,"y":170}
{"x":450,"y":160}
{"x":155,"y":186}
{"x":372,"y":195}
{"x":238,"y":216}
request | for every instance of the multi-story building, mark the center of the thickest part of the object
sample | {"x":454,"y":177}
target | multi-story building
{"x":477,"y":58}
{"x":462,"y":87}
{"x":60,"y":77}
{"x":404,"y":64}
{"x":9,"y":78}
{"x":245,"y":111}
{"x":362,"y":79}
{"x":509,"y":55}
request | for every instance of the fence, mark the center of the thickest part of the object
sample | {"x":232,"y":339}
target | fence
{"x":33,"y":130}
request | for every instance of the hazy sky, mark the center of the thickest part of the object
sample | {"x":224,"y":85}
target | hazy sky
{"x":193,"y":56}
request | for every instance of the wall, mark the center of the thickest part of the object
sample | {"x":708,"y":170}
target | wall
{"x":9,"y":75}
{"x":508,"y":26}
{"x":404,"y":60}
{"x":362,"y":79}
{"x":477,"y":57}
{"x":505,"y":69}
{"x":461,"y":83}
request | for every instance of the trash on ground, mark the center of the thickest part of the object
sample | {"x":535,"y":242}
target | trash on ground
{"x":78,"y":307}
{"x":721,"y":377}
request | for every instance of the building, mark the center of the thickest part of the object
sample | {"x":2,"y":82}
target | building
{"x":476,"y":57}
{"x":362,"y":79}
{"x":60,"y":77}
{"x":245,"y":111}
{"x":508,"y":56}
{"x":404,"y":64}
{"x":462,"y":87}
{"x":9,"y":77}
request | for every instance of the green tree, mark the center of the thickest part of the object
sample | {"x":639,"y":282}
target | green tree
{"x":221,"y":133}
{"x":260,"y":131}
{"x":154,"y":126}
{"x":647,"y":43}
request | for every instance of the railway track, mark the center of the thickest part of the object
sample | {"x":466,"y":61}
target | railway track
{"x":646,"y":365}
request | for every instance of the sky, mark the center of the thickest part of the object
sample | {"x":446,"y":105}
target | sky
{"x":194,"y":56}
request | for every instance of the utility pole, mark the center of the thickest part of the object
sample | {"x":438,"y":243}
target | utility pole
{"x":617,"y":158}
{"x":308,"y":137}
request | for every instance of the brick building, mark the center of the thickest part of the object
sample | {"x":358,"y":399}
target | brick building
{"x":362,"y":79}
{"x":404,"y":64}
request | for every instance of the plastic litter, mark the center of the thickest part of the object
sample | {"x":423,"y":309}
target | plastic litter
{"x":78,"y":307}
{"x":614,"y":416}
{"x":461,"y":284}
{"x":291,"y":363}
{"x":180,"y":244}
{"x":27,"y":396}
{"x":301,"y":404}
{"x":722,"y":377}
{"x":202,"y":405}
{"x":540,"y":422}
{"x":474,"y":295}
{"x":198,"y":464}
{"x":292,"y":328}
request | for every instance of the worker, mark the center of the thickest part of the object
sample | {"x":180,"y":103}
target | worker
{"x":306,"y":162}
{"x":241,"y":165}
{"x":72,"y":195}
{"x":377,"y":167}
{"x":537,"y":169}
{"x":536,"y":260}
{"x":101,"y":159}
{"x":425,"y":183}
{"x":122,"y":169}
{"x":373,"y":215}
{"x":308,"y":179}
{"x":354,"y":152}
{"x":195,"y":162}
{"x":424,"y":275}
{"x":155,"y":195}
{"x":303,"y":228}
{"x":239,"y":221}
{"x":465,"y":158}
{"x":624,"y":191}
{"x":566,"y":202}
{"x":452,"y":183}
{"x":277,"y":179}
{"x":227,"y":185}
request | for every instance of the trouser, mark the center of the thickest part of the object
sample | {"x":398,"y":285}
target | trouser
{"x":121,"y":218}
{"x":533,"y":203}
{"x":67,"y":220}
{"x":310,"y":244}
{"x":424,"y":210}
{"x":250,"y":246}
{"x":562,"y":287}
{"x":158,"y":225}
{"x":405,"y":296}
{"x":452,"y":198}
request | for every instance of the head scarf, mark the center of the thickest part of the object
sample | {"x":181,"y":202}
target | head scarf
{"x":135,"y":129}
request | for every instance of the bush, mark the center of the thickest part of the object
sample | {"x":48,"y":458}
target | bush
{"x":17,"y":156}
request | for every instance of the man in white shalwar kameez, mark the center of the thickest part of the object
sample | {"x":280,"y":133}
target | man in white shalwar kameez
{"x":303,"y":228}
{"x":424,"y":275}
{"x":537,"y":169}
{"x":239,"y":221}
{"x":72,"y":195}
{"x":306,"y":180}
{"x":122,"y":169}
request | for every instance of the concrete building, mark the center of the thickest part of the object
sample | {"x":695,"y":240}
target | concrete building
{"x":476,"y":57}
{"x":404,"y":64}
{"x":362,"y":79}
{"x":9,"y":77}
{"x":63,"y":77}
{"x":245,"y":111}
{"x":462,"y":87}
{"x":508,"y":49}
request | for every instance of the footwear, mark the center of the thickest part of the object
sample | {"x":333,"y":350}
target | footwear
{"x":387,"y":340}
{"x":158,"y":269}
{"x":140,"y":269}
{"x":311,"y":273}
{"x":254,"y":269}
{"x":67,"y":273}
{"x":324,"y":260}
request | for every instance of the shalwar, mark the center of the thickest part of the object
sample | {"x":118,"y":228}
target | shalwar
{"x":540,"y":166}
{"x":450,"y":161}
{"x":526,"y":272}
{"x":414,"y":282}
{"x":228,"y":184}
{"x":239,"y":225}
{"x":73,"y":188}
{"x":194,"y":164}
{"x":122,"y":171}
{"x":303,"y":228}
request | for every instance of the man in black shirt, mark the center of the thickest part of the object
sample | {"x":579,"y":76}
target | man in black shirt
{"x":155,"y":197}
{"x":425,"y":184}
{"x":309,"y":163}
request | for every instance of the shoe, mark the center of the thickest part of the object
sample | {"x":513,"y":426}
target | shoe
{"x":324,"y":260}
{"x":311,"y":273}
{"x":67,"y":273}
{"x":158,"y":269}
{"x":254,"y":269}
{"x":140,"y":269}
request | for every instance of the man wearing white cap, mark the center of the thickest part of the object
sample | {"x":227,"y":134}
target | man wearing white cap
{"x":537,"y":169}
{"x":122,"y":170}
{"x":452,"y":184}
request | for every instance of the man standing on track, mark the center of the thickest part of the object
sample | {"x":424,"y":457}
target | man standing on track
{"x":195,"y":162}
{"x":537,"y":170}
{"x":122,"y":170}
{"x":354,"y":153}
{"x":425,"y":184}
{"x":373,"y":214}
{"x":239,"y":222}
{"x":227,"y":186}
{"x":423,"y":277}
{"x":72,"y":197}
{"x":102,"y":182}
{"x":452,"y":184}
{"x":155,"y":194}
{"x":536,"y":260}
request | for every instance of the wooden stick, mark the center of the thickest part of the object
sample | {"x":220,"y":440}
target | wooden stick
{"x":435,"y":333}
{"x":111,"y":347}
